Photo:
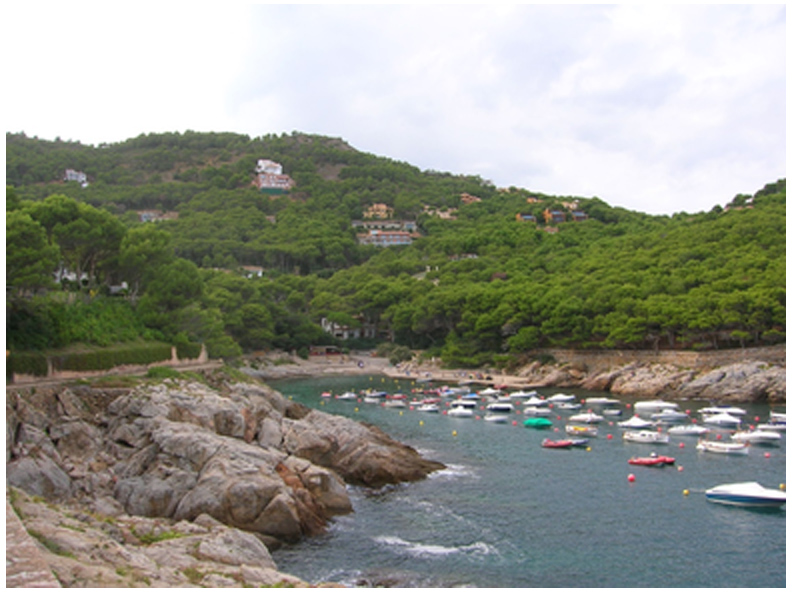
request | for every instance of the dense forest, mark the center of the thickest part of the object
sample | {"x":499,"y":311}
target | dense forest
{"x":489,"y":277}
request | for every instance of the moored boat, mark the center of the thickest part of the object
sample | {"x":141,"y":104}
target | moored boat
{"x":652,"y":406}
{"x":500,"y":407}
{"x":643,"y":436}
{"x":670,"y":415}
{"x":347,"y":396}
{"x":718,"y":447}
{"x":654,"y":460}
{"x":537,"y":423}
{"x":691,"y":429}
{"x":496,"y":418}
{"x":757,"y":436}
{"x":536,"y":410}
{"x":602,"y":402}
{"x":395,"y":403}
{"x":565,"y":444}
{"x":635,"y":422}
{"x":461,"y":411}
{"x":557,"y":444}
{"x":749,"y":493}
{"x":556,"y":398}
{"x":723,"y":420}
{"x":581,"y":430}
{"x":587,"y":417}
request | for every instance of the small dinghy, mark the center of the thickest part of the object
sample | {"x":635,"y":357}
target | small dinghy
{"x":654,"y":460}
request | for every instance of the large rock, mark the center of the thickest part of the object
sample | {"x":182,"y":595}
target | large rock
{"x":242,"y":454}
{"x":83,"y":549}
{"x":361,"y":454}
{"x":740,"y":382}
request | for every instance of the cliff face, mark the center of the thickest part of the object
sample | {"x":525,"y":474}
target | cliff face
{"x":239,"y":466}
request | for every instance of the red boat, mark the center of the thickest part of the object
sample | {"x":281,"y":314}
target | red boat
{"x":654,"y":460}
{"x":548,"y":443}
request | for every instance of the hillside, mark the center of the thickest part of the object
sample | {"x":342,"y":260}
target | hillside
{"x":481,"y":276}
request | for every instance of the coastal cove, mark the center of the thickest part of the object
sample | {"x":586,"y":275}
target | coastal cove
{"x":508,"y":513}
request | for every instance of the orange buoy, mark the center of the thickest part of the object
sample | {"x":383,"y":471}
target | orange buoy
{"x":767,"y":455}
{"x":631,"y":477}
{"x":610,"y":437}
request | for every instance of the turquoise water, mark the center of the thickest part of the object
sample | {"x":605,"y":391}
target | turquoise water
{"x":508,"y":513}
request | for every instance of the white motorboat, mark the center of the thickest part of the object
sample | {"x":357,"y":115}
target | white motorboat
{"x":496,"y":418}
{"x":561,"y":398}
{"x":718,"y":447}
{"x":652,"y":406}
{"x":723,"y":420}
{"x":568,"y":406}
{"x":535,"y":401}
{"x":757,"y":436}
{"x":460,"y":411}
{"x":669,"y":415}
{"x":428,"y":407}
{"x":644,"y":436}
{"x":748,"y":493}
{"x":464,"y":402}
{"x":719,"y":410}
{"x":602,"y":402}
{"x":347,"y":396}
{"x":587,"y":417}
{"x":522,"y":394}
{"x":489,"y":392}
{"x":500,"y":407}
{"x":771,"y":426}
{"x":636,"y":422}
{"x":395,"y":403}
{"x":776,"y":417}
{"x":692,"y":429}
{"x":536,"y":411}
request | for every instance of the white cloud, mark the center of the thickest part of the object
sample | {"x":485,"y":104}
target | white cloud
{"x":656,"y":108}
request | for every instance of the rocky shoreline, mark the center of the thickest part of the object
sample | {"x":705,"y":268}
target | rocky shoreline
{"x":189,"y":483}
{"x":737,"y":381}
{"x":182,"y":483}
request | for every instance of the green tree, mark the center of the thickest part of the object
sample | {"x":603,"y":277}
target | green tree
{"x":30,"y":259}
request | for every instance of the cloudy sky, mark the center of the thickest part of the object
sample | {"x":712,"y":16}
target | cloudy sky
{"x":661,"y":108}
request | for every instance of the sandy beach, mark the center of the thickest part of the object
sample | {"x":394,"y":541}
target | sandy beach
{"x":284,"y":366}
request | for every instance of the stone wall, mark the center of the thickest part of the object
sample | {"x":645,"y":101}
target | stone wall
{"x":56,"y":375}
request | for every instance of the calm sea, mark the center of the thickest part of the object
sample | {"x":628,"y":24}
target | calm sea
{"x":507,"y":513}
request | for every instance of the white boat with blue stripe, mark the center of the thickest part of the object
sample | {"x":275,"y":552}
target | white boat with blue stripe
{"x":749,"y":493}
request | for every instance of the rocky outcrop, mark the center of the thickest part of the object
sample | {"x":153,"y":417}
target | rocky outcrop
{"x":745,"y":381}
{"x":242,"y":456}
{"x":85,"y":549}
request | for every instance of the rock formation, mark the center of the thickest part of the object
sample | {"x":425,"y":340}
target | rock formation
{"x":241,"y":462}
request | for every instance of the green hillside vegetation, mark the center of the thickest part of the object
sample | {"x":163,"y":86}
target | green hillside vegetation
{"x":492,"y":285}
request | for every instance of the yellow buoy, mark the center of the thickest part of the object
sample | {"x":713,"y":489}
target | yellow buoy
{"x":455,"y":432}
{"x":421,"y":423}
{"x":356,"y":409}
{"x":782,"y":486}
{"x":685,"y":492}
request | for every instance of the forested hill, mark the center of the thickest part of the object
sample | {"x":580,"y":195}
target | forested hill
{"x":484,"y":274}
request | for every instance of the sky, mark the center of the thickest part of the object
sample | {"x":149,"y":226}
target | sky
{"x":654,"y":108}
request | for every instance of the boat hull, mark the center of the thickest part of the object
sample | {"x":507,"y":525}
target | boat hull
{"x":746,"y":494}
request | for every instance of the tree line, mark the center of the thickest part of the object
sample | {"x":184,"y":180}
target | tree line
{"x":480,"y":288}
